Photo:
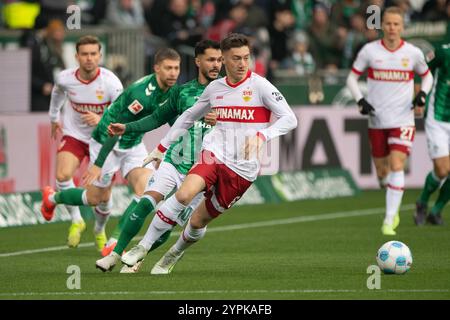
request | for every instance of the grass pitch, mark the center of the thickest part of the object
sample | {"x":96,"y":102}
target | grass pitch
{"x":318,"y":249}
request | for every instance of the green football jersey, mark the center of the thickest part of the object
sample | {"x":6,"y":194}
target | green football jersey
{"x":140,"y":99}
{"x":184,"y":152}
{"x":439,"y":98}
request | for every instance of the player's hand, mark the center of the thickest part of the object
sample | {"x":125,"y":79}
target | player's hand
{"x":56,"y":128}
{"x":253,"y":146}
{"x":92,"y":174}
{"x":211,"y":118}
{"x":156,"y":156}
{"x":365,"y":107}
{"x":116,"y":129}
{"x":90,"y":118}
{"x":419,"y":100}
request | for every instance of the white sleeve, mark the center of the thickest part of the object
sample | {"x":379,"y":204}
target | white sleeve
{"x":420,"y":65}
{"x":352,"y":85}
{"x":274,"y":101}
{"x":361,"y":62}
{"x":427,"y":83}
{"x":115,"y":87}
{"x":421,"y":68}
{"x":186,"y":120}
{"x":56,"y":101}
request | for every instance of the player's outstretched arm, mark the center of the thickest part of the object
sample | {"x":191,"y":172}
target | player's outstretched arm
{"x":186,"y":120}
{"x":151,"y":122}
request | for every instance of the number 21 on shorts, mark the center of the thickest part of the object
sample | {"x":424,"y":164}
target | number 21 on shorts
{"x":407,"y":133}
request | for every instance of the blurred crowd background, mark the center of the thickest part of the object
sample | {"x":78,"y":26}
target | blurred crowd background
{"x":307,"y":46}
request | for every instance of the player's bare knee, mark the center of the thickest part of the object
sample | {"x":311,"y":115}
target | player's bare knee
{"x":198,"y":222}
{"x":62,"y":176}
{"x":397,"y":166}
{"x":184,"y":196}
{"x":441,"y":172}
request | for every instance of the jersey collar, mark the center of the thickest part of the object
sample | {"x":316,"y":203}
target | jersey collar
{"x":77,"y":75}
{"x":234,"y":85}
{"x":402,"y":42}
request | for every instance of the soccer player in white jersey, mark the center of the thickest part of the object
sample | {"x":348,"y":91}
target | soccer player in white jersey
{"x":391,"y":63}
{"x":88,"y":91}
{"x":229,"y":161}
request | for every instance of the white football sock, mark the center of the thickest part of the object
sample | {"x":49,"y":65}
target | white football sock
{"x":159,"y":225}
{"x":394,"y":194}
{"x":73,"y":210}
{"x":102,"y":213}
{"x":188,"y":237}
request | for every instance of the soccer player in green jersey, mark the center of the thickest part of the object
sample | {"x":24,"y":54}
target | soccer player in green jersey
{"x":110,"y":154}
{"x":437,"y":128}
{"x":179,"y":159}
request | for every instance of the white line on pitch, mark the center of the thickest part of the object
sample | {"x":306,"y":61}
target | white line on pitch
{"x":315,"y":217}
{"x":173,"y":292}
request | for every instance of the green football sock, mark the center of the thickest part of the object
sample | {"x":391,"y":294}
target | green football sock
{"x":72,"y":196}
{"x":444,"y":196}
{"x":134,"y":223}
{"x":164,"y":237}
{"x":118,"y":229}
{"x":431,"y":184}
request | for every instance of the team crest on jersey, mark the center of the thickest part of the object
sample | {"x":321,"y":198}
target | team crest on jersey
{"x":405,"y":62}
{"x":247,"y":95}
{"x":135,"y":107}
{"x":100,"y":94}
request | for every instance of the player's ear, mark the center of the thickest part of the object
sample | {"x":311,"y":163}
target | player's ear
{"x":197,"y":62}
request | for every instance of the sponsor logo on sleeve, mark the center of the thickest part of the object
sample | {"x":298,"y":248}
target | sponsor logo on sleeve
{"x":135,"y":107}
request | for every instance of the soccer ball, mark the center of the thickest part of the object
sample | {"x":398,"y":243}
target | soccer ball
{"x":394,"y":257}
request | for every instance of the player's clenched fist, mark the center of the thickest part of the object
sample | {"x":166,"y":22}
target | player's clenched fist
{"x":211,"y":118}
{"x":92,"y":174}
{"x":116,"y":129}
{"x":365,"y":107}
{"x":253,"y":146}
{"x":56,"y":127}
{"x":419,"y":100}
{"x":90,"y":118}
{"x":156,"y":155}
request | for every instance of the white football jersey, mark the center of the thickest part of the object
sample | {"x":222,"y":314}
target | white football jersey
{"x":82,"y":96}
{"x":243,"y":110}
{"x":390,"y":81}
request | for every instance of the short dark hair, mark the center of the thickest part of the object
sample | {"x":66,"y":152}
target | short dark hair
{"x":234,"y":40}
{"x":201,"y":46}
{"x":88,"y":40}
{"x":166,"y":53}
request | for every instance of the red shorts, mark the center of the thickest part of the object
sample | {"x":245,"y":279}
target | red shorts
{"x":76,"y":147}
{"x":223,"y":186}
{"x":383,"y":141}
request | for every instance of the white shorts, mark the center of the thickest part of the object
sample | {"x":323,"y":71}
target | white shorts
{"x":167,"y":179}
{"x":438,"y":137}
{"x":123,"y":160}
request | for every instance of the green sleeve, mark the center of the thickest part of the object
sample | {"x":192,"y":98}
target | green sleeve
{"x":107,"y":146}
{"x":162,"y":115}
